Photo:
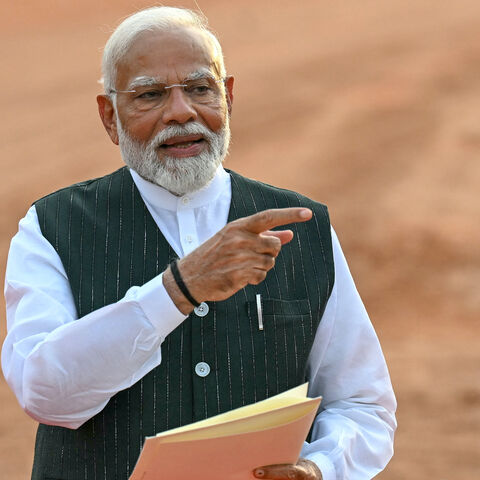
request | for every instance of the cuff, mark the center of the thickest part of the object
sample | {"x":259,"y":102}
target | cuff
{"x":159,"y":307}
{"x":324,"y":464}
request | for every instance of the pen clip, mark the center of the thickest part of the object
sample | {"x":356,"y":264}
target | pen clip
{"x":259,"y":311}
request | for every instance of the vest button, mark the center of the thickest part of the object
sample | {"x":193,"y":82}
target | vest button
{"x":202,"y":369}
{"x":201,"y":310}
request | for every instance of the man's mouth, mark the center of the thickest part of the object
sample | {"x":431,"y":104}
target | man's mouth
{"x":184,"y":146}
{"x":182,"y":142}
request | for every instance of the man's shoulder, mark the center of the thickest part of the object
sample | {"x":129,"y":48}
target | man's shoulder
{"x":86,"y":184}
{"x":284,"y":196}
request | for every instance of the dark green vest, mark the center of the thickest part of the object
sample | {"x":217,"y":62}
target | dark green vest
{"x":108,"y":242}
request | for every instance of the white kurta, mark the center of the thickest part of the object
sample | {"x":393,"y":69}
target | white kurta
{"x":64,"y":370}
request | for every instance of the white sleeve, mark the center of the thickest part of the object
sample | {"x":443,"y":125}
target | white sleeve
{"x":352,"y":435}
{"x":63,"y":370}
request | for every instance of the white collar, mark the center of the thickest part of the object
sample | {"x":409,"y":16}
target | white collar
{"x":159,"y":198}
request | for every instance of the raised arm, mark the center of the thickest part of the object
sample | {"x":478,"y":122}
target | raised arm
{"x":241,"y":253}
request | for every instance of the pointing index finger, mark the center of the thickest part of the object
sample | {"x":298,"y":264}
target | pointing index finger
{"x":262,"y":221}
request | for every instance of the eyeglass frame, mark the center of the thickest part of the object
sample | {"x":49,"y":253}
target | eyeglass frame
{"x":151,"y":81}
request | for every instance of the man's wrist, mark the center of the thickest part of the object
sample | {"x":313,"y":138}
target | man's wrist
{"x":181,"y":284}
{"x":175,"y":293}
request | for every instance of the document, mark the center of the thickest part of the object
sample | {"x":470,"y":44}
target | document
{"x":231,"y":445}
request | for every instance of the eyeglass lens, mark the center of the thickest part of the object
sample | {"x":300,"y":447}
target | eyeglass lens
{"x":199,"y":91}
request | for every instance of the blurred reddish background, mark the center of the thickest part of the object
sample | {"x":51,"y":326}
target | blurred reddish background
{"x":371,"y":107}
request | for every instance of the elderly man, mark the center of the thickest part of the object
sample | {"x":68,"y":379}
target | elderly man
{"x":132,"y":299}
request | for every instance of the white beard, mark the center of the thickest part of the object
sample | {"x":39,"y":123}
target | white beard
{"x":177,"y":175}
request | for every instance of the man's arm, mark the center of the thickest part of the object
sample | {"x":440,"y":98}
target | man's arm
{"x":63,"y":370}
{"x":353,"y":434}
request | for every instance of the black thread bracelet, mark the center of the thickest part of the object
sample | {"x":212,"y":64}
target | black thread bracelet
{"x":181,"y":284}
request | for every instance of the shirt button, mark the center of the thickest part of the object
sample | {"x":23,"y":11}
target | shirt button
{"x":189,"y":239}
{"x":185,"y":200}
{"x":201,"y":310}
{"x":202,"y":369}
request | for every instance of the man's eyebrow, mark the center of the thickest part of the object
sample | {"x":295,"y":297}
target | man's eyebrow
{"x":146,"y":81}
{"x":202,"y":73}
{"x":143,"y":81}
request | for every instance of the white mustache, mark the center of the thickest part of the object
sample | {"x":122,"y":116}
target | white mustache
{"x":179,"y":131}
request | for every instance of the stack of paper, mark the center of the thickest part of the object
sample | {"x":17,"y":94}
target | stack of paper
{"x":231,"y":445}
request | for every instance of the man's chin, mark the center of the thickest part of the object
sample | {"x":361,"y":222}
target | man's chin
{"x":171,"y":160}
{"x":180,"y":176}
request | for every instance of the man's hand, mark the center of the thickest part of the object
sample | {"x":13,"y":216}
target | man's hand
{"x":303,"y":470}
{"x":241,"y":253}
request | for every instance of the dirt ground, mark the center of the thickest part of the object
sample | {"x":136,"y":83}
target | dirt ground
{"x":371,"y":107}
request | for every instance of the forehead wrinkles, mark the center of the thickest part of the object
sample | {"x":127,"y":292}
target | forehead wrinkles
{"x":168,"y":57}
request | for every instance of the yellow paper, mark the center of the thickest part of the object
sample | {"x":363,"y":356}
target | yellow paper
{"x":232,"y":444}
{"x":226,"y":423}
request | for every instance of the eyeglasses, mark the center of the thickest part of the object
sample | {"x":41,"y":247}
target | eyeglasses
{"x":200,"y":91}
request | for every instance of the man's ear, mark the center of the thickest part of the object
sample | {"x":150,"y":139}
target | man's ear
{"x":229,"y":92}
{"x":108,"y":116}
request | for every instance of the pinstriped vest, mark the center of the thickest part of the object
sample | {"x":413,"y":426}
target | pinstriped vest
{"x":108,"y":242}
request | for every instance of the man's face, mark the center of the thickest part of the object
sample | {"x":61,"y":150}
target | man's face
{"x":179,"y":133}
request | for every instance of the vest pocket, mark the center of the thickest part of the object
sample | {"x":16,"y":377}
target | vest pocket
{"x":282,"y":346}
{"x":286,"y":309}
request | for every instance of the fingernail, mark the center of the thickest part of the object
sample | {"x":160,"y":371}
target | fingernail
{"x":259,"y":473}
{"x":305,"y":213}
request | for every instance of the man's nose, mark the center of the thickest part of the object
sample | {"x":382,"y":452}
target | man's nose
{"x":178,"y":107}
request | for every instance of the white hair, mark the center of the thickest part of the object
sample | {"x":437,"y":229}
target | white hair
{"x":152,"y":19}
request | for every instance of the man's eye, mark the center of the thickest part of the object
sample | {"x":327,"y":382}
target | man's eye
{"x":151,"y":94}
{"x":199,"y":89}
